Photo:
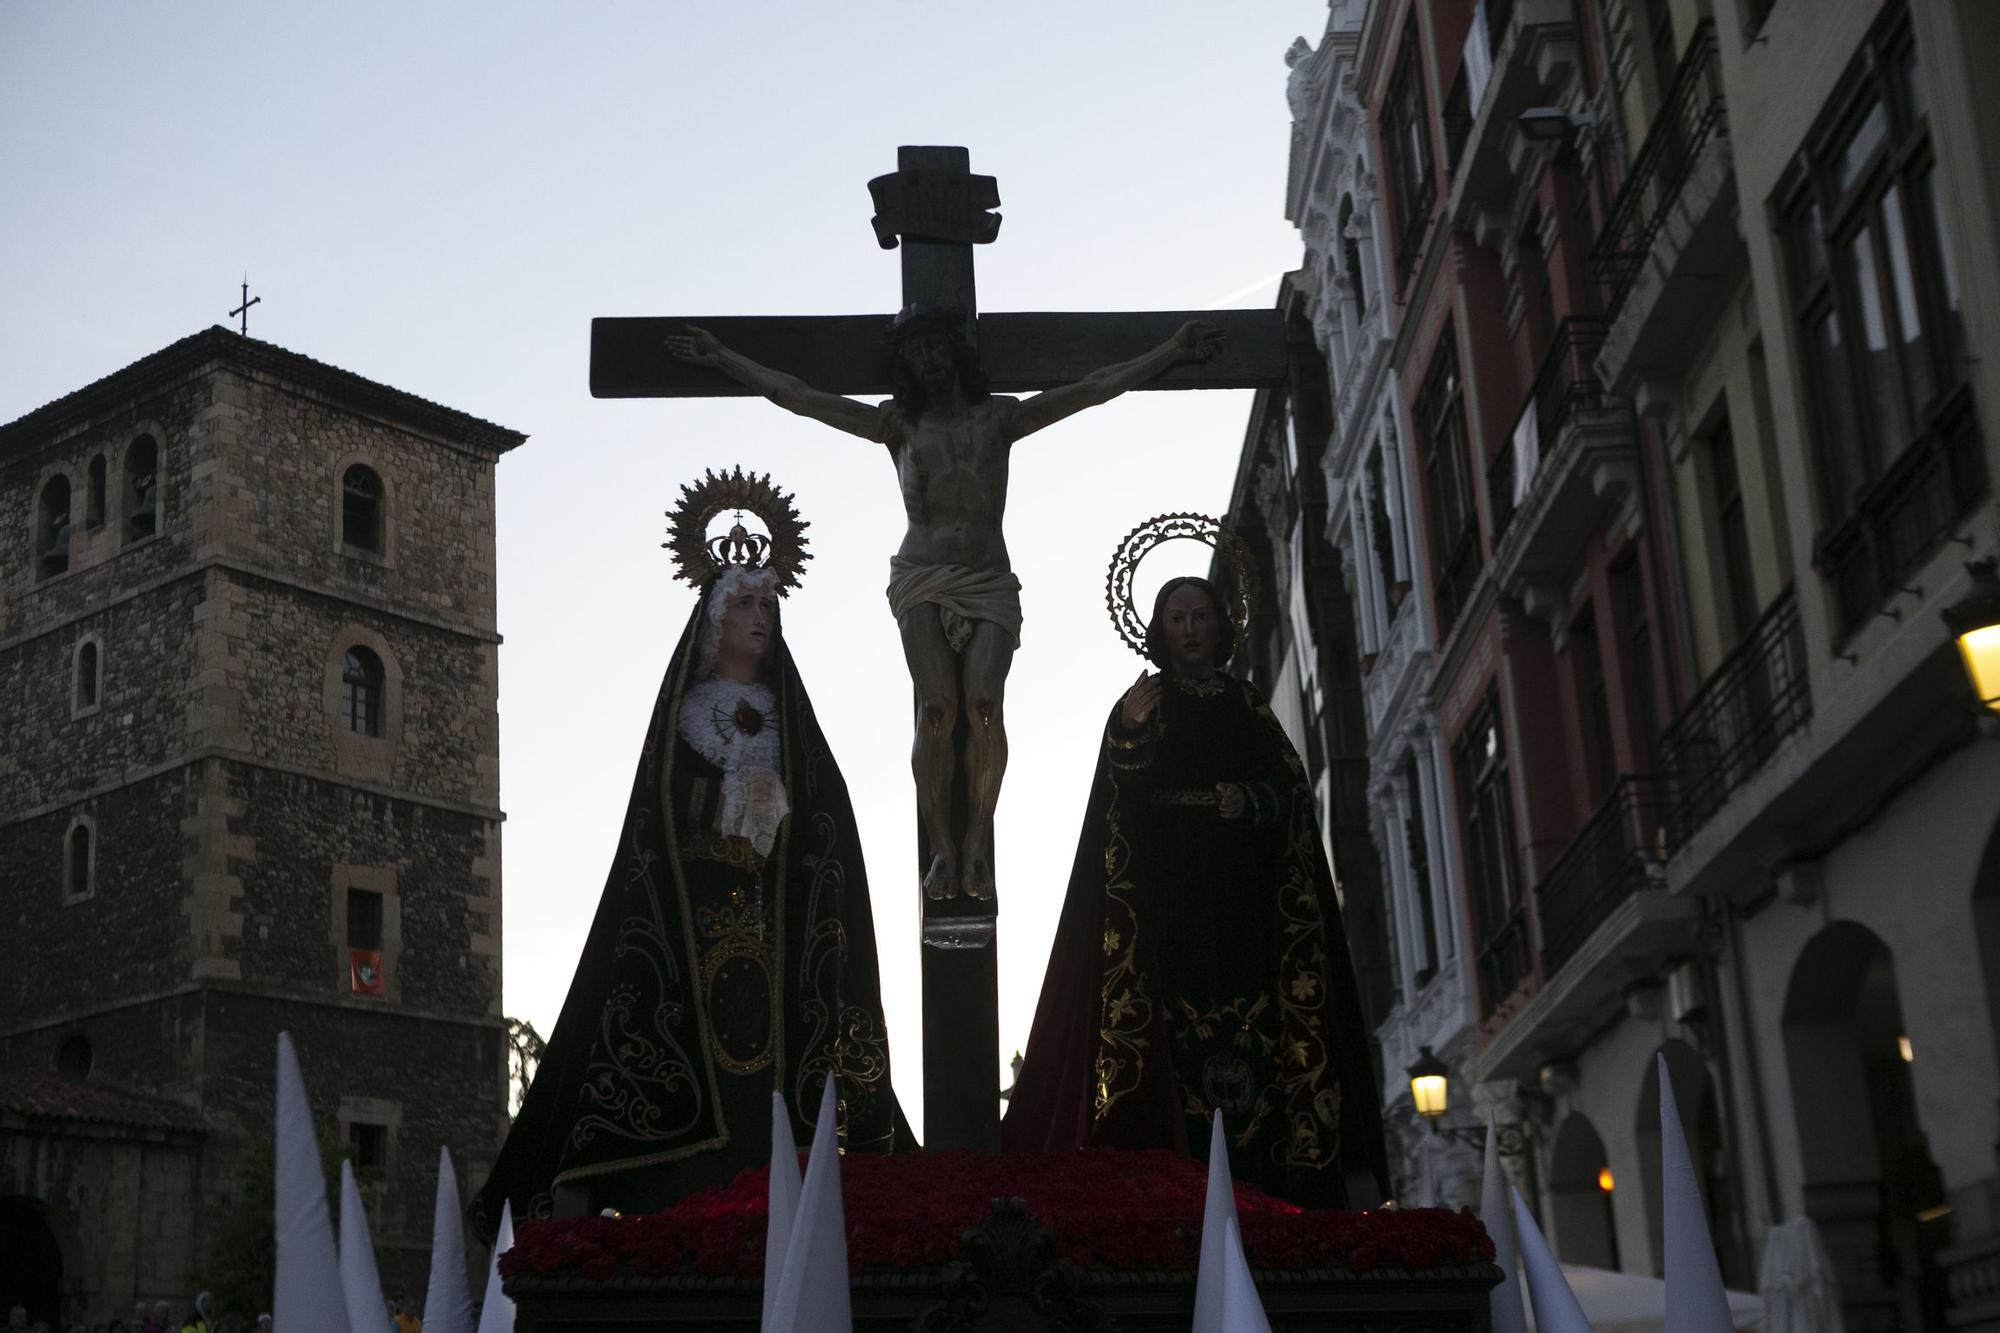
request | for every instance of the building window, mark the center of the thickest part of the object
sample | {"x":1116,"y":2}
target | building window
{"x":1381,"y":537}
{"x":142,"y":488}
{"x":79,"y":860}
{"x":368,"y":1148}
{"x":361,"y":509}
{"x":1406,"y":144}
{"x":89,"y":675}
{"x":52,"y":528}
{"x":1480,"y":758}
{"x":361,"y":692}
{"x":1880,"y":326}
{"x":1453,"y":518}
{"x":1628,"y":590}
{"x":1593,"y":704}
{"x":1350,"y":254}
{"x":93,"y":504}
{"x":1427,"y":950}
{"x":1734,"y":529}
{"x":364,"y":920}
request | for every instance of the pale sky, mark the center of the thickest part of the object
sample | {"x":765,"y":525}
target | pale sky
{"x":441,"y":196}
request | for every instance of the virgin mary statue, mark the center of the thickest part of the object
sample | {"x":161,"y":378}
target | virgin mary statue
{"x":733,"y":950}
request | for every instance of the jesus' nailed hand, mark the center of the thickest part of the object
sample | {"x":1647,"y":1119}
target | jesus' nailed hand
{"x":956,"y":600}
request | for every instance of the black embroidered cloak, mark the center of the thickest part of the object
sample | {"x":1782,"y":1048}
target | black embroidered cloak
{"x":1200,"y":964}
{"x":711,"y":977}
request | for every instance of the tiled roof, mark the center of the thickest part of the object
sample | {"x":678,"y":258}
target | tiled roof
{"x":230,"y":347}
{"x":32,"y":1092}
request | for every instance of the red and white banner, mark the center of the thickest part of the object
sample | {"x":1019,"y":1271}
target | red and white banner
{"x":364,"y":971}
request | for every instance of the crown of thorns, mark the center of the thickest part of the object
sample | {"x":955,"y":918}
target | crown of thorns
{"x":700,"y":559}
{"x":1139,"y":543}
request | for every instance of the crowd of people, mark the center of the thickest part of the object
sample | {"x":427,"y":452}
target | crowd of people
{"x":201,"y":1317}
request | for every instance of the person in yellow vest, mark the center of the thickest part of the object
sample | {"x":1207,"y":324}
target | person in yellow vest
{"x":405,"y":1321}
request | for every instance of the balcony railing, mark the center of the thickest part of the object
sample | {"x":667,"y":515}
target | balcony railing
{"x":1566,"y":381}
{"x":1756,"y":698}
{"x":1504,"y":961}
{"x":1690,"y":115}
{"x":1615,"y":853}
{"x":1904,"y":517}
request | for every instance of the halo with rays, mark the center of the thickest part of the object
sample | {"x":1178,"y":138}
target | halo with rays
{"x":698,"y":558}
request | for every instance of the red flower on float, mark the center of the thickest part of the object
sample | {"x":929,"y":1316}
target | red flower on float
{"x":1108,"y":1209}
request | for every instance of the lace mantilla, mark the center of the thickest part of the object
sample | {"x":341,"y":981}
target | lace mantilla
{"x":734,"y":725}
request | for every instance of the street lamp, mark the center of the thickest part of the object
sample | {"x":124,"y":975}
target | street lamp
{"x":1430,"y":1092}
{"x":1552,"y":124}
{"x":1974,"y":621}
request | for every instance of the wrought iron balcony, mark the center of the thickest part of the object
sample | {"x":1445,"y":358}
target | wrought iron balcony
{"x":1504,"y":960}
{"x":1905,"y":515}
{"x":1754,"y":699}
{"x":1614,"y":854}
{"x":1691,"y":113}
{"x":1566,"y":384}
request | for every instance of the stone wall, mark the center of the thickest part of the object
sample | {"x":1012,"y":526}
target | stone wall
{"x":276,"y":692}
{"x":127,"y":937}
{"x":306,"y":838}
{"x":105,"y":563}
{"x":285,"y":453}
{"x":122,"y":1204}
{"x":55,"y":752}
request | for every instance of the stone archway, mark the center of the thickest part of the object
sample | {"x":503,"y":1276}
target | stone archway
{"x":1580,"y":1219}
{"x":31,"y":1267}
{"x":1701,"y":1113}
{"x":1866,"y":1172}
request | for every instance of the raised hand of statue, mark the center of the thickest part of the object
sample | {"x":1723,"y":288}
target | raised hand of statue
{"x":697,"y":347}
{"x":1231,"y":800}
{"x":1140,"y":700}
{"x":1196,"y":341}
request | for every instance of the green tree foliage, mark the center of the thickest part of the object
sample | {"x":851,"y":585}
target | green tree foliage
{"x":242,"y":1256}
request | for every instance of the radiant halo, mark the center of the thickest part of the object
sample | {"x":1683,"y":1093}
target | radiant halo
{"x":699,"y":558}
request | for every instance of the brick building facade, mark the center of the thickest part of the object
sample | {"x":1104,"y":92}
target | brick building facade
{"x":1679,"y":309}
{"x":248,"y":667}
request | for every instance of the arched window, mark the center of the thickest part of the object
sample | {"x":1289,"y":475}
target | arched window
{"x":142,"y":488}
{"x":73,"y":1057}
{"x":361,"y":509}
{"x":52,"y":528}
{"x":93,"y":505}
{"x":79,"y":861}
{"x":89,"y":674}
{"x":361,"y":692}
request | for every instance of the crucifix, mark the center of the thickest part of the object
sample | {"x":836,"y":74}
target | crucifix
{"x":956,"y":602}
{"x":244,"y":309}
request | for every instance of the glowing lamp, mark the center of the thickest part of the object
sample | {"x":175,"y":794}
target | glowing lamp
{"x":1974,"y":621}
{"x":1604,"y":1181}
{"x":1429,"y":1086}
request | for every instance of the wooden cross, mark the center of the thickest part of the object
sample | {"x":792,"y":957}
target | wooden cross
{"x":244,"y":309}
{"x":936,"y":210}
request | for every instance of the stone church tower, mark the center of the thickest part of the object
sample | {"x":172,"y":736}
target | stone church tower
{"x":249,"y":782}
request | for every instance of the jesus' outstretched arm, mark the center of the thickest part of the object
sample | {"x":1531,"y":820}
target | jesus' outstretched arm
{"x":699,"y":347}
{"x":1193,"y":341}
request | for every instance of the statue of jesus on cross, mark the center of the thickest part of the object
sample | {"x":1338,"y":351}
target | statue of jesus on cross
{"x":955,"y":598}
